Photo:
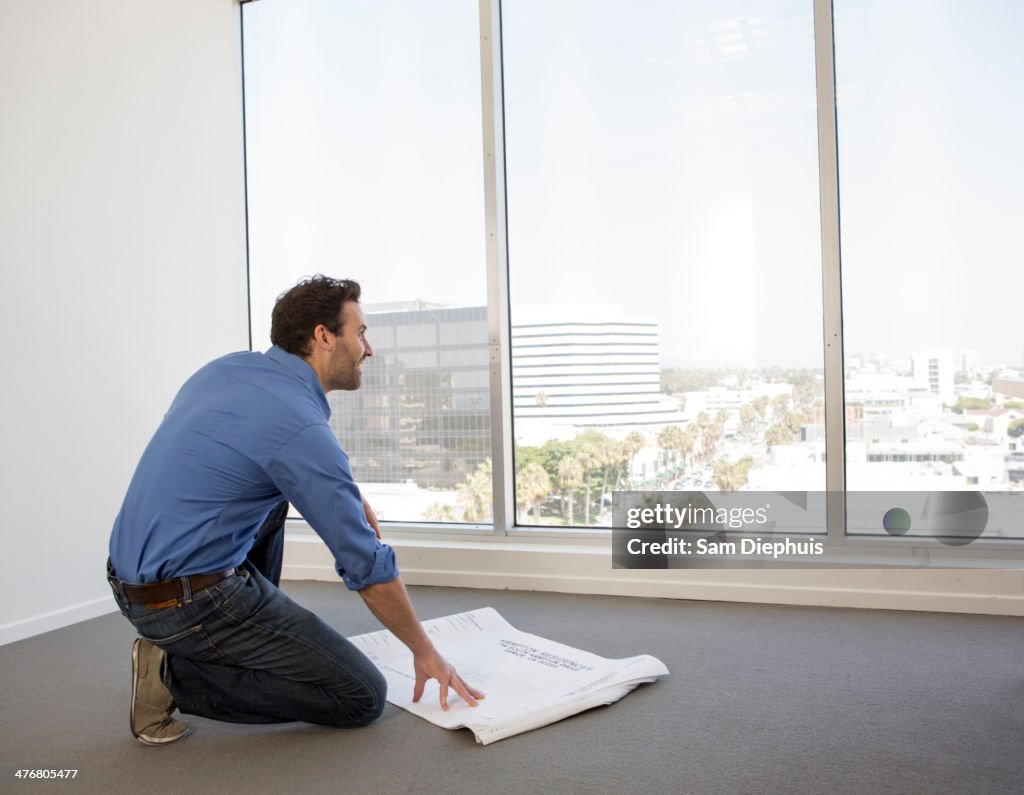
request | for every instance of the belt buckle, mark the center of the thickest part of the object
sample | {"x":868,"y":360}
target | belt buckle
{"x":118,"y":587}
{"x":116,"y":582}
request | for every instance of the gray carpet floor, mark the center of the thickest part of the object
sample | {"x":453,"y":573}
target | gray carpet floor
{"x":761,"y":699}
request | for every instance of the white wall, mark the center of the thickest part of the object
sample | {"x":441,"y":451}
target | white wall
{"x":122,"y":259}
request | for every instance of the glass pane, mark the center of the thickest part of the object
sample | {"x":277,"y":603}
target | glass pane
{"x":363,"y":125}
{"x":664,"y":250}
{"x":930,"y":172}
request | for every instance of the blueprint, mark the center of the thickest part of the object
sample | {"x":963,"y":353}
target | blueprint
{"x":529,"y":681}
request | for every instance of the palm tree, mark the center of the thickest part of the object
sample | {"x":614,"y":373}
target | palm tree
{"x":732,"y":476}
{"x":440,"y":512}
{"x":704,"y":425}
{"x":748,"y":416}
{"x":588,"y":460}
{"x":532,"y":486}
{"x":778,"y":434}
{"x":570,"y":478}
{"x":609,"y":454}
{"x":780,"y":405}
{"x":743,"y":467}
{"x":711,"y":433}
{"x":688,"y":444}
{"x":670,"y":439}
{"x":631,"y":445}
{"x":718,"y":428}
{"x":760,"y":405}
{"x":475,"y":495}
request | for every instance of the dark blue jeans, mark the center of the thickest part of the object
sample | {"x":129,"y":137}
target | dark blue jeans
{"x":242,"y":651}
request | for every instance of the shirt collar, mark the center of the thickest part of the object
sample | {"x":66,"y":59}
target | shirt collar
{"x":298,"y":367}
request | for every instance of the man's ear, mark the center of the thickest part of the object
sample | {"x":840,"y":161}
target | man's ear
{"x":321,"y":337}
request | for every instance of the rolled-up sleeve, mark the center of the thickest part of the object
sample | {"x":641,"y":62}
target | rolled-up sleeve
{"x":313,"y":473}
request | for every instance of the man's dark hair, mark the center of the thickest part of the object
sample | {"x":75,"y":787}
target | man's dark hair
{"x":318,"y":299}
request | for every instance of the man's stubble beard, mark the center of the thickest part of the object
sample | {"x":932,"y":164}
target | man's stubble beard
{"x":352,"y":377}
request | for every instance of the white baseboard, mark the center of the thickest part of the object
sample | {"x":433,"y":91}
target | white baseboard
{"x":587,"y":569}
{"x":55,"y":619}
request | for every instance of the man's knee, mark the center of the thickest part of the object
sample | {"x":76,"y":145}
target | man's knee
{"x":377,"y":695}
{"x":362,"y":705}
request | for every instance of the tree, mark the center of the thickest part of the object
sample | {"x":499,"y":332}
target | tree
{"x":532,"y":486}
{"x":748,"y":416}
{"x":718,"y":426}
{"x":680,"y":441}
{"x":795,"y":420}
{"x":688,"y":444}
{"x":1015,"y":428}
{"x":588,"y":460}
{"x":633,"y":444}
{"x":570,"y":478}
{"x":805,"y":393}
{"x":440,"y":512}
{"x":669,"y":439}
{"x":474,"y":494}
{"x":732,"y":475}
{"x":675,"y":380}
{"x":778,"y":434}
{"x":780,"y":405}
{"x":609,"y":456}
{"x":970,"y":403}
{"x":711,"y":432}
{"x":760,"y":405}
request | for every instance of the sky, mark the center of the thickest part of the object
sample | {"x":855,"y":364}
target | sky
{"x":661,"y":155}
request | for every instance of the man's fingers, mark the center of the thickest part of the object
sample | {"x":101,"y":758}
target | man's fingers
{"x":444,"y":694}
{"x":446,"y":676}
{"x":468,"y":694}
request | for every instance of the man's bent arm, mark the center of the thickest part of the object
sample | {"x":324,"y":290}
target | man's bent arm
{"x":389,"y":602}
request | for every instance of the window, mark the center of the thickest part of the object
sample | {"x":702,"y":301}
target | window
{"x":664,"y":250}
{"x":363,"y":126}
{"x":651,"y":175}
{"x":930,"y":170}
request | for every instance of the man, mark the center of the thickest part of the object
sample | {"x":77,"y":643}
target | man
{"x":195,"y":553}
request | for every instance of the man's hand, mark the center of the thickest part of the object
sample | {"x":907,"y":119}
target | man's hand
{"x":371,"y":517}
{"x":389,"y":601}
{"x":432,"y":665}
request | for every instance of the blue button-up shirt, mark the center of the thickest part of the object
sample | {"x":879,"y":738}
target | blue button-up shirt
{"x":244,"y":432}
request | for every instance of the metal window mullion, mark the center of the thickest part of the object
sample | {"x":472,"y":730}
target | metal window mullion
{"x":831,"y":281}
{"x":498,"y":332}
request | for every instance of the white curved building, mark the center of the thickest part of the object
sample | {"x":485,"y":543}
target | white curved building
{"x":587,"y":365}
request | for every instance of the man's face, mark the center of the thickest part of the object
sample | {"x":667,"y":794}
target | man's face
{"x":345,"y":365}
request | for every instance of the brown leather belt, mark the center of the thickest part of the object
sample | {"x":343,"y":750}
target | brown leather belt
{"x":167,"y":592}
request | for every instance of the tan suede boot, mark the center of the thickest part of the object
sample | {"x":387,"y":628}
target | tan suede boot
{"x":152,"y":703}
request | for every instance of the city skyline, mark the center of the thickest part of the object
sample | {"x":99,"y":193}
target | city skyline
{"x":419,"y":441}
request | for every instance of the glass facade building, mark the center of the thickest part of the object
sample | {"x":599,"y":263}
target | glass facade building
{"x":423,"y":412}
